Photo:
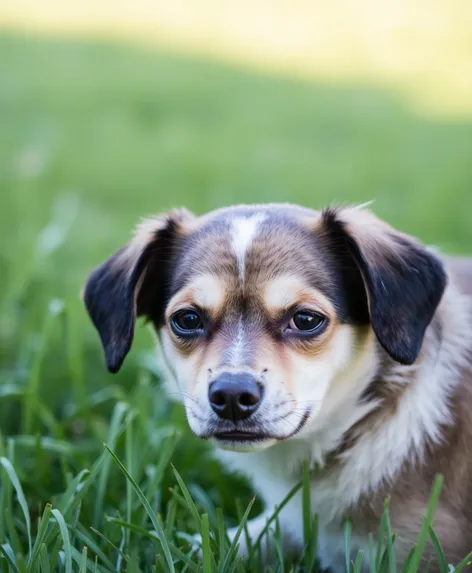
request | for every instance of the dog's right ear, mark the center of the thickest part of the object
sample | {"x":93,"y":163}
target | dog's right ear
{"x":402,"y":280}
{"x":133,"y":282}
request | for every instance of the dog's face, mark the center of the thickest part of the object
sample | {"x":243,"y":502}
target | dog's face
{"x":267,"y":315}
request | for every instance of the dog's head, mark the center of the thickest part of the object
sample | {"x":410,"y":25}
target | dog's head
{"x":267,"y":315}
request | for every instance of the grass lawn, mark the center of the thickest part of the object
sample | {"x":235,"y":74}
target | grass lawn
{"x":92,"y":137}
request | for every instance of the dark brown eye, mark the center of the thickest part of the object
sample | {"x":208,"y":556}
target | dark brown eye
{"x":186,"y":323}
{"x":307,"y":321}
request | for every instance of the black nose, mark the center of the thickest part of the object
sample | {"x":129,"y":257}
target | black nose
{"x":235,"y":396}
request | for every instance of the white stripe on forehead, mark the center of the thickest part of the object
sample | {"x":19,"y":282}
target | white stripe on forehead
{"x":236,"y":350}
{"x":244,"y":229}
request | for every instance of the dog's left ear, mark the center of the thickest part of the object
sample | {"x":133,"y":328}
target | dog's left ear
{"x":133,"y":282}
{"x":403,"y":281}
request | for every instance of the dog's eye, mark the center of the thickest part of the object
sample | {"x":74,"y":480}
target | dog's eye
{"x":307,"y":321}
{"x":186,"y":322}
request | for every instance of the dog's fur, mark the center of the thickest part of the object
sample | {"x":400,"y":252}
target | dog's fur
{"x":380,"y":400}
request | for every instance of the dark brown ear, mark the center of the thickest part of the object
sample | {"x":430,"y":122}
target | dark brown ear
{"x":133,"y":282}
{"x":403,"y":281}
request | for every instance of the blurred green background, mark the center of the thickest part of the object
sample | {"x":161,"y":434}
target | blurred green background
{"x":113,"y":111}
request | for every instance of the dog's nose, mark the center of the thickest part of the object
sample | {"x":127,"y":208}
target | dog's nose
{"x":235,"y":396}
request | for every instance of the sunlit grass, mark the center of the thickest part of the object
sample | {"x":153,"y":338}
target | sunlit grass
{"x":421,"y":49}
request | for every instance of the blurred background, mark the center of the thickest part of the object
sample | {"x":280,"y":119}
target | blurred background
{"x":114,"y":110}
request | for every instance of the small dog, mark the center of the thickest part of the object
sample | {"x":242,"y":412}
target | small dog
{"x":326,"y":336}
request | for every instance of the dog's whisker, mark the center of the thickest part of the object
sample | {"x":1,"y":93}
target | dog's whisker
{"x":186,"y":395}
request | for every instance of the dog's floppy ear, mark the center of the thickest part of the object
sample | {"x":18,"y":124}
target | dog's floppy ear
{"x":403,"y":281}
{"x":133,"y":283}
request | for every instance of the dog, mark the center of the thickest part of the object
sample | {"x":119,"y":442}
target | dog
{"x":291,"y":334}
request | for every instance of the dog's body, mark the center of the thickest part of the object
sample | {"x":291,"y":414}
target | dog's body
{"x":295,"y":335}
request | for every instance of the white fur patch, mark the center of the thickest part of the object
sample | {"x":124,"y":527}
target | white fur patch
{"x":236,"y":350}
{"x":243,"y":233}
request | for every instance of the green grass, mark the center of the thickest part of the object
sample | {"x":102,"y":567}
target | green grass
{"x":92,"y":137}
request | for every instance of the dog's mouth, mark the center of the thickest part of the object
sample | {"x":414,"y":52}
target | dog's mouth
{"x":238,"y":436}
{"x":242,"y":436}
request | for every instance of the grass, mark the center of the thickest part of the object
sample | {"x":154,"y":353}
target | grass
{"x":93,"y":137}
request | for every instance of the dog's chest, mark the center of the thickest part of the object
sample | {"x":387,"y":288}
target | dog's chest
{"x":274,"y":474}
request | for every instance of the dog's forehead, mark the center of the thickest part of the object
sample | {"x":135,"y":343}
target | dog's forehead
{"x":250,"y":246}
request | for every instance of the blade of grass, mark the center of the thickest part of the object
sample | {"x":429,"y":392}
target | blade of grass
{"x":443,"y":568}
{"x":21,"y":563}
{"x":223,"y":541}
{"x":408,"y":559}
{"x":98,"y":398}
{"x":131,"y":470}
{"x":13,"y":535}
{"x":234,"y":543}
{"x":69,"y":500}
{"x":306,"y":504}
{"x":170,"y":517}
{"x":82,"y":534}
{"x":9,"y":555}
{"x":428,"y":519}
{"x":51,"y":445}
{"x":118,"y":415}
{"x":78,"y":557}
{"x":111,"y":544}
{"x":466,"y":562}
{"x":165,"y":456}
{"x":347,"y":543}
{"x":44,"y":559}
{"x":390,"y":538}
{"x":55,"y":308}
{"x":153,"y":535}
{"x":65,"y":539}
{"x":76,"y":363}
{"x":55,"y":551}
{"x":247,"y":537}
{"x":190,"y":505}
{"x":380,"y":542}
{"x":312,"y":551}
{"x":276,"y":513}
{"x":383,"y":567}
{"x":358,"y":562}
{"x":206,"y":549}
{"x":372,"y":568}
{"x":279,"y":508}
{"x":41,"y":534}
{"x":204,"y":500}
{"x":278,"y":550}
{"x":159,"y":531}
{"x":188,"y":499}
{"x":3,"y":492}
{"x":179,"y":499}
{"x":10,"y":470}
{"x":83,"y":561}
{"x":77,"y":490}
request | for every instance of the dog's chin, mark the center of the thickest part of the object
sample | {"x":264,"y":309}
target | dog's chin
{"x":237,"y":439}
{"x":242,"y":443}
